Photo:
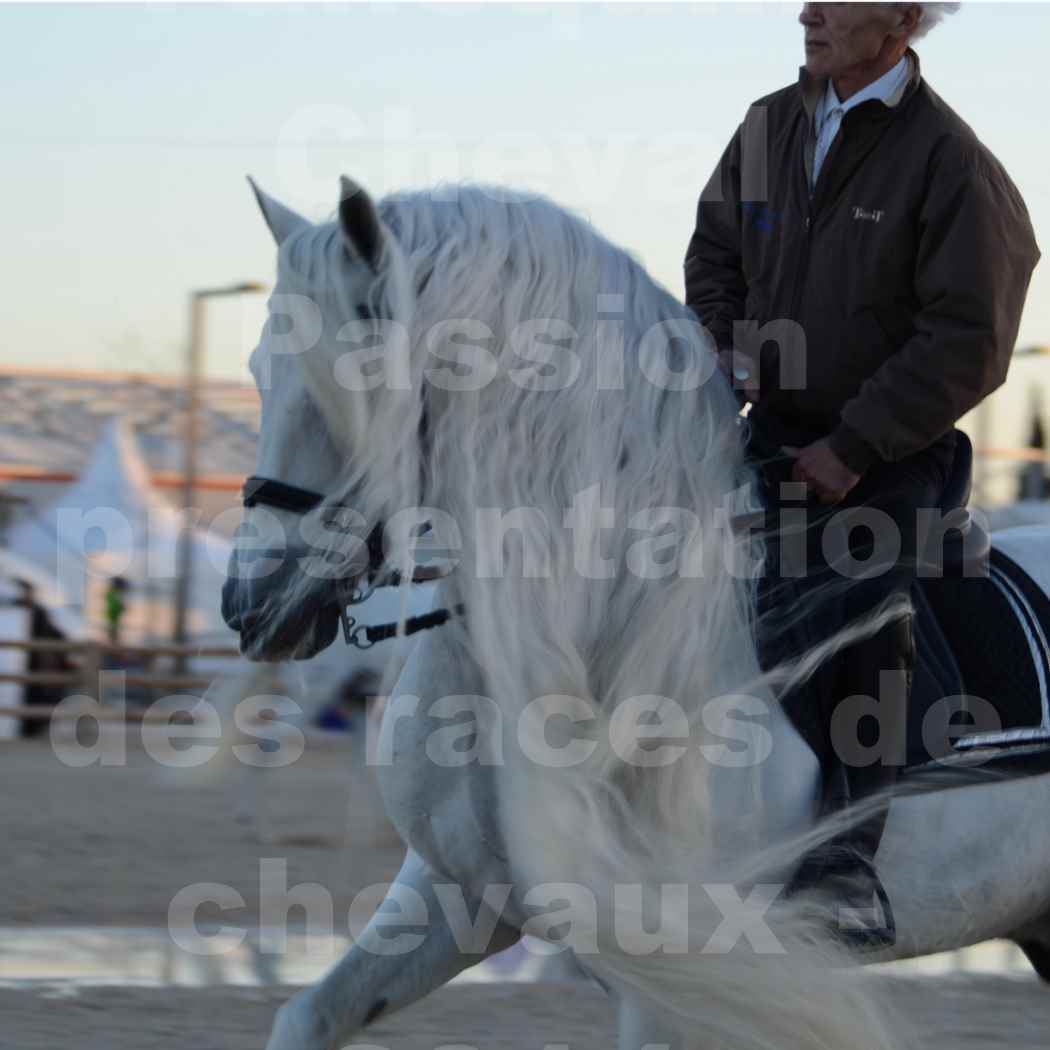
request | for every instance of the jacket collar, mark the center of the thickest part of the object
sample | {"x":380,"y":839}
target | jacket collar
{"x":812,"y":88}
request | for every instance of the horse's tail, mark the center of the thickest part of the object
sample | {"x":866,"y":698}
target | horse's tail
{"x":701,"y":948}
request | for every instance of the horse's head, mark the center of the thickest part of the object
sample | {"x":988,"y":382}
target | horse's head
{"x":338,"y":285}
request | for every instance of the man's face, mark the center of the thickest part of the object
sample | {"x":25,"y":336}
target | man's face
{"x":844,"y":38}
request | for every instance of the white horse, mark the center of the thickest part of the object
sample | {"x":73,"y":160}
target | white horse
{"x":550,"y":459}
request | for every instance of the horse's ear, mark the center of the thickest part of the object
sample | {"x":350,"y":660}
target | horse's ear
{"x":359,"y":222}
{"x":283,"y":222}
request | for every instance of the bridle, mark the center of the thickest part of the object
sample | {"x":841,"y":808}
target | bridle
{"x":278,"y":494}
{"x":269,"y":493}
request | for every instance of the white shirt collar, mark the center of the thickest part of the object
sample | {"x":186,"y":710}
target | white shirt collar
{"x":884,"y":89}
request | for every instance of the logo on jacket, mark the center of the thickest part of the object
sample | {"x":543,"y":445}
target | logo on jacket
{"x":862,"y":214}
{"x":762,"y":217}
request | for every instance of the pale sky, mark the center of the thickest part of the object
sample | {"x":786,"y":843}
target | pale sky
{"x":127,"y":131}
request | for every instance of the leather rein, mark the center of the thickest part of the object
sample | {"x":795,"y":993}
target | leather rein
{"x":281,"y":496}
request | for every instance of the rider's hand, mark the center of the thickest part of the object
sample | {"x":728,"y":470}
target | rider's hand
{"x":823,"y":472}
{"x":742,"y":374}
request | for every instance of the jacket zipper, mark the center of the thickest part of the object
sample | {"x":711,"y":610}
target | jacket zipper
{"x":803,"y":267}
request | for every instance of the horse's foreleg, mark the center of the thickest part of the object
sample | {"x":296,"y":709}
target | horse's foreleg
{"x":641,"y":1028}
{"x":373,"y":981}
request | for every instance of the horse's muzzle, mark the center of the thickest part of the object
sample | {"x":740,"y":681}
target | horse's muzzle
{"x":276,"y":619}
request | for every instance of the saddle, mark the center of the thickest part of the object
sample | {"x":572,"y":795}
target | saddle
{"x":981,"y":687}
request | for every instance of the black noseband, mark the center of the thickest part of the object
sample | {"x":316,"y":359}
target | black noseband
{"x":268,"y":493}
{"x":262,"y":491}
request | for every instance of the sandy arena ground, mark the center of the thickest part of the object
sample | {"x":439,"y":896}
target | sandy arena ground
{"x":488,"y":1017}
{"x":112,"y":846}
{"x":953,"y":1013}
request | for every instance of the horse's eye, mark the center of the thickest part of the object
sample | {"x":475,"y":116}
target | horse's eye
{"x":363,"y":312}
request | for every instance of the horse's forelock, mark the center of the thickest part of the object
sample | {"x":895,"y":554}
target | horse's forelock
{"x":310,"y":257}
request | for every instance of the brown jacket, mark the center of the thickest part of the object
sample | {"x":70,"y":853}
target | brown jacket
{"x":905,"y":273}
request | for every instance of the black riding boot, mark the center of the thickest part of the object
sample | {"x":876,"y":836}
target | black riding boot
{"x":866,"y":755}
{"x":859,"y":756}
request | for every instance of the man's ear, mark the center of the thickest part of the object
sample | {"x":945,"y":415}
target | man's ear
{"x":905,"y":20}
{"x":359,"y":222}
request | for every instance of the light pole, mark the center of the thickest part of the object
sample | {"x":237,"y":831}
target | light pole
{"x":191,"y":435}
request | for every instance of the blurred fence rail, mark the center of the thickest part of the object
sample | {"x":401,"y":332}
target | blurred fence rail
{"x":54,"y":645}
{"x":98,"y":668}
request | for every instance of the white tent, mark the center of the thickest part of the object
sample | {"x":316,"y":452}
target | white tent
{"x":110,"y":522}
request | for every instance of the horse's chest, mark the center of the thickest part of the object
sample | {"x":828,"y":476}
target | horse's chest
{"x":445,"y":808}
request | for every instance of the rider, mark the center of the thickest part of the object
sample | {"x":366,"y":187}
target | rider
{"x":861,"y":261}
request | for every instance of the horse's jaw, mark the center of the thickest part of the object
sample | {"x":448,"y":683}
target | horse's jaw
{"x":274,"y":628}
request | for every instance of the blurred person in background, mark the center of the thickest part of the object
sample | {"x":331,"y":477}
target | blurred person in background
{"x":116,"y":607}
{"x":41,"y":629}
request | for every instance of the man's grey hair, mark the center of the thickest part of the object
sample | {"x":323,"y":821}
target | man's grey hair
{"x":931,"y":15}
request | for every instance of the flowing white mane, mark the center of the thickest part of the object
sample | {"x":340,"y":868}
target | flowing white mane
{"x":647,"y":421}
